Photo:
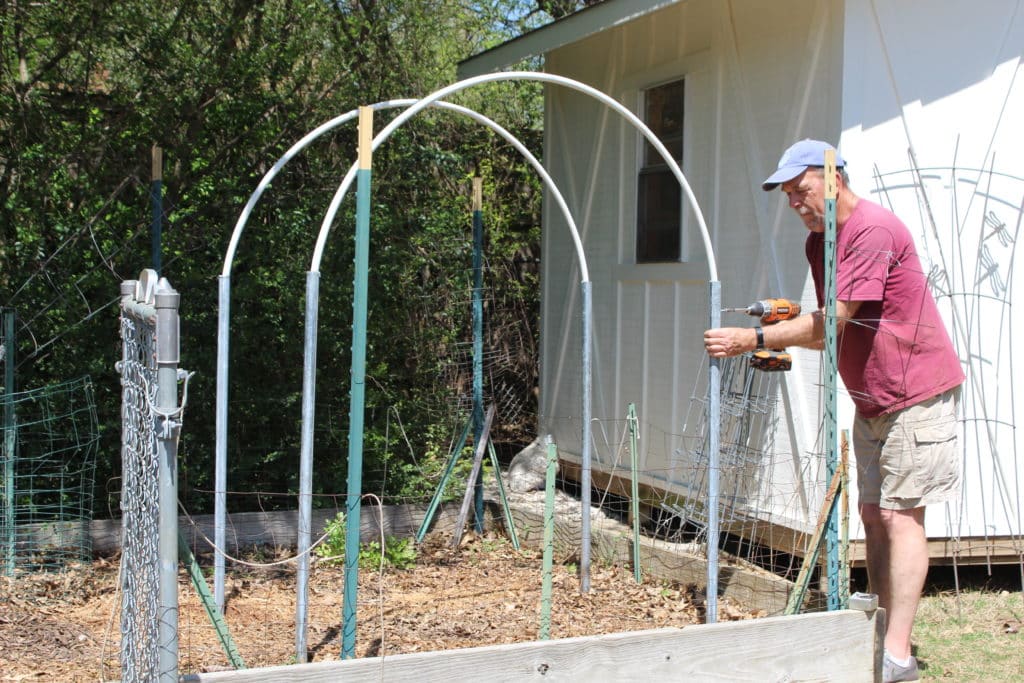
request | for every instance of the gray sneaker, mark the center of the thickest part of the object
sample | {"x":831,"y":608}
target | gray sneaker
{"x":893,"y":672}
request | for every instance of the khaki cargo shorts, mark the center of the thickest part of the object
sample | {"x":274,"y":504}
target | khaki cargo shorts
{"x":910,"y":458}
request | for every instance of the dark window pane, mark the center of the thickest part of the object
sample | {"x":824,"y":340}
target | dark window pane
{"x":664,"y":116}
{"x":658,"y":217}
{"x":659,"y":198}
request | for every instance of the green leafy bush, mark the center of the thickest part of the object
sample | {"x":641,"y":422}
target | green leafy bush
{"x":399,"y":553}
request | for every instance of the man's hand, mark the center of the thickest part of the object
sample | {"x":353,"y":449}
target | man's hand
{"x":723,"y":342}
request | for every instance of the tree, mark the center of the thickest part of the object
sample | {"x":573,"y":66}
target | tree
{"x":225,"y":87}
{"x":558,"y":9}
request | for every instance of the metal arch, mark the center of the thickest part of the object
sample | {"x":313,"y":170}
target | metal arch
{"x":714,"y":377}
{"x":307,"y":139}
{"x":309,"y":353}
{"x":532,"y":76}
{"x":714,"y":300}
{"x":312,"y":295}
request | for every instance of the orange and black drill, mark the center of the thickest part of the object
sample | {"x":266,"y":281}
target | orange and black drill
{"x":770,"y":311}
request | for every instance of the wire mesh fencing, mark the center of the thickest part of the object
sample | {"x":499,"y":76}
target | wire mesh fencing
{"x":748,"y":402}
{"x":50,"y":437}
{"x":769,"y":494}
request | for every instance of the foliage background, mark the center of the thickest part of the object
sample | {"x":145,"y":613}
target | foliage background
{"x":88,"y":87}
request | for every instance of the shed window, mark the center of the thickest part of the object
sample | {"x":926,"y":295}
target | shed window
{"x":659,"y":198}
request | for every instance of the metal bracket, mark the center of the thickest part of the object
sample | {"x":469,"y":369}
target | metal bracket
{"x":167,"y":427}
{"x":864,"y":602}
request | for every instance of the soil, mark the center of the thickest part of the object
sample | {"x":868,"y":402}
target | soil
{"x":64,"y":626}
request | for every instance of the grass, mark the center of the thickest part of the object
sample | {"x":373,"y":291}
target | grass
{"x":977,"y":635}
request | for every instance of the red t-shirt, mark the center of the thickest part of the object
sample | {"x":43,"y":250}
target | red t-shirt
{"x":895,"y":352}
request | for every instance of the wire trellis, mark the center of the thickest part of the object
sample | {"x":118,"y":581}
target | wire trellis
{"x":751,"y":493}
{"x":748,"y":417}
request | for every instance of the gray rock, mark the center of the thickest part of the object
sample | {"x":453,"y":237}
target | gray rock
{"x":528,"y":468}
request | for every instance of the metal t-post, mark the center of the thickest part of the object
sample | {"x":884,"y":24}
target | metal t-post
{"x":831,"y":368}
{"x":478,"y":344}
{"x":358,"y":386}
{"x":157,"y":207}
{"x":168,"y":424}
{"x":549,"y":539}
{"x":9,"y":445}
{"x":634,"y":471}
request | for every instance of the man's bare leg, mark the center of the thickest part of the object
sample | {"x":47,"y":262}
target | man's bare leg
{"x":908,"y":569}
{"x":876,"y":553}
{"x":897,"y":560}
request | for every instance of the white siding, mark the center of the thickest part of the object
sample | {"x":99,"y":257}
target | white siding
{"x":941,"y":84}
{"x":941,"y":78}
{"x":756,"y":77}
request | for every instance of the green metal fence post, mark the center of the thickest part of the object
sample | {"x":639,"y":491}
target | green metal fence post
{"x":549,"y":541}
{"x":443,"y":484}
{"x":635,"y":490}
{"x":195,"y":573}
{"x":510,"y":523}
{"x":831,"y":366}
{"x":358,"y":386}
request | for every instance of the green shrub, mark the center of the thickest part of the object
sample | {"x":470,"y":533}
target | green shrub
{"x":332,"y":549}
{"x":399,"y":553}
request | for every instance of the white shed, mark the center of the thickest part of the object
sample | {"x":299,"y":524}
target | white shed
{"x":925,"y":99}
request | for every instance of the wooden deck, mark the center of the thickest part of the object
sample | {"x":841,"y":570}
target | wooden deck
{"x":785,"y":539}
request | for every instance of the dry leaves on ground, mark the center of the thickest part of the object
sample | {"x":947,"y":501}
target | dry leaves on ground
{"x":64,"y":626}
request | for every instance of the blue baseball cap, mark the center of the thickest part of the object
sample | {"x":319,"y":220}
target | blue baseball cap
{"x":796,"y":159}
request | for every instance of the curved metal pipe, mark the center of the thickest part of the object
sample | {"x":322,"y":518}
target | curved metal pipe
{"x":309,"y":370}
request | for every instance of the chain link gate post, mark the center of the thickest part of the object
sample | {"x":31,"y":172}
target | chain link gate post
{"x":151,"y":422}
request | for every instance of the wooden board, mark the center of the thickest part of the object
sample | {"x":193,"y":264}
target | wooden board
{"x":279,"y":528}
{"x":833,"y":646}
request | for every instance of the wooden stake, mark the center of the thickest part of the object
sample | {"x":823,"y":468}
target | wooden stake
{"x":811,"y":558}
{"x":478,"y":458}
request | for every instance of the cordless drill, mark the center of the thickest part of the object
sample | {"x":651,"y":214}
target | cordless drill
{"x":770,"y":311}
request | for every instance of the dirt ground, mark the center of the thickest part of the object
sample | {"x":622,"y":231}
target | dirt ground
{"x":64,"y":627}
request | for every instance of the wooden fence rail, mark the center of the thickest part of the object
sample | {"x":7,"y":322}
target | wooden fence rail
{"x":842,"y":646}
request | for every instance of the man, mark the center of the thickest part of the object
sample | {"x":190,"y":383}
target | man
{"x":899,"y":367}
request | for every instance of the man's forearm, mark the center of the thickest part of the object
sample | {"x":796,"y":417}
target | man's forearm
{"x":807,"y":330}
